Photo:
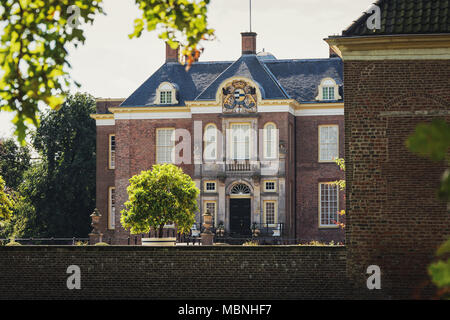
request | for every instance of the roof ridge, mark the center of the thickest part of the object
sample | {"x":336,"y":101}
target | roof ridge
{"x":217,"y":78}
{"x":274,"y":79}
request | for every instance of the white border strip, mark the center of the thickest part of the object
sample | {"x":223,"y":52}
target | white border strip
{"x":319,"y":112}
{"x":152,"y":115}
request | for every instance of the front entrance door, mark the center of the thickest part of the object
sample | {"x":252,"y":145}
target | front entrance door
{"x":240,"y":216}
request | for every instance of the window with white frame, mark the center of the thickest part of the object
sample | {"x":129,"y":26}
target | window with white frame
{"x":210,"y":206}
{"x":210,"y":142}
{"x":270,"y":213}
{"x":328,"y":143}
{"x":210,"y":186}
{"x":165,"y":97}
{"x":112,"y":208}
{"x":328,"y":90}
{"x":328,"y":204}
{"x":240,"y":141}
{"x":270,"y":141}
{"x":112,"y":151}
{"x":328,"y":93}
{"x":269,"y":186}
{"x":165,"y":145}
{"x":166,"y":94}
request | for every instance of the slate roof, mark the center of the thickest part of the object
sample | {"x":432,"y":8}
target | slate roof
{"x":189,"y":83}
{"x":248,"y":66}
{"x":277,"y":79}
{"x":406,"y":17}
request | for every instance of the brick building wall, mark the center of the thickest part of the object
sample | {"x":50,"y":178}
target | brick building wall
{"x":39,"y":272}
{"x":311,"y":172}
{"x":394,"y":218}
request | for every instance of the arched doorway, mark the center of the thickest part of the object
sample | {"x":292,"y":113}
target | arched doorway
{"x":240,"y":209}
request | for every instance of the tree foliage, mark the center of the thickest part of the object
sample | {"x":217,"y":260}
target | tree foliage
{"x":37,"y":34}
{"x":180,"y":22}
{"x":62,"y":188}
{"x":158,"y":197}
{"x":440,"y":271}
{"x":341,"y":184}
{"x":34,"y":56}
{"x":57,"y":193}
{"x":6,"y":203}
{"x":14,"y":161}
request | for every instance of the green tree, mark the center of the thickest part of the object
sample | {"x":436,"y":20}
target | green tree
{"x":159,"y":197}
{"x":36,"y":35}
{"x":14,"y":161}
{"x":62,"y":187}
{"x":6,"y":203}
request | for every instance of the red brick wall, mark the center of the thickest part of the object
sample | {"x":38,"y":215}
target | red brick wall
{"x":310,"y":173}
{"x":136,"y":152}
{"x":394,"y":218}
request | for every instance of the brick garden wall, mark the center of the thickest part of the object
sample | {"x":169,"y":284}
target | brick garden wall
{"x":39,"y":272}
{"x":394,"y":219}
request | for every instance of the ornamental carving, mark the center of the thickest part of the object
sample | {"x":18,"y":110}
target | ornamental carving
{"x":239,"y":97}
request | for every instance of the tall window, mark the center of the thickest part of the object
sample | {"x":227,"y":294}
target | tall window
{"x":328,"y":204}
{"x":112,"y":208}
{"x":165,"y":97}
{"x":211,"y":207}
{"x":328,"y":93}
{"x":112,"y":151}
{"x":165,"y":145}
{"x":328,"y":143}
{"x":270,"y":213}
{"x":210,"y":142}
{"x":270,"y":141}
{"x":240,"y":141}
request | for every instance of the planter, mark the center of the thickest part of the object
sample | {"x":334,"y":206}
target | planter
{"x":159,"y":242}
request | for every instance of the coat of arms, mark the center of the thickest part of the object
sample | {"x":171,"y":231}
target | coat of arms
{"x":239,"y":97}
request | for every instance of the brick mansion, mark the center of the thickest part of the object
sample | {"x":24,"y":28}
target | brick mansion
{"x":258,"y":135}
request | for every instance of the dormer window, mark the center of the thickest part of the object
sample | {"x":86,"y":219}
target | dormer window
{"x":328,"y":90}
{"x":165,"y":97}
{"x":166,"y":94}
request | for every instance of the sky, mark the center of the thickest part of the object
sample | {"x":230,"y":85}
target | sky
{"x":110,"y":65}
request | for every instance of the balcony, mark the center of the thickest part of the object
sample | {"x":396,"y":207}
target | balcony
{"x":238,"y":166}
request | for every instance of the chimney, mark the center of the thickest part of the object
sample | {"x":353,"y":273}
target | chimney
{"x":248,"y":42}
{"x":172,"y":55}
{"x":333,"y":54}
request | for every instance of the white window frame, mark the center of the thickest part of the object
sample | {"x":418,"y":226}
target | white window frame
{"x":111,"y":208}
{"x":275,"y":214}
{"x":239,"y":157}
{"x":206,"y":184}
{"x":330,"y":224}
{"x":210,"y":140}
{"x":273,"y":143}
{"x":214,"y":214}
{"x":112,"y":153}
{"x":328,"y":83}
{"x":166,"y":89}
{"x":159,"y":146}
{"x":328,"y":144}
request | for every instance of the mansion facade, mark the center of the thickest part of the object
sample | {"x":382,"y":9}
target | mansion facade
{"x":257,"y":135}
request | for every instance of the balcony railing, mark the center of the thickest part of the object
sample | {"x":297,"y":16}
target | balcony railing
{"x":239,"y":166}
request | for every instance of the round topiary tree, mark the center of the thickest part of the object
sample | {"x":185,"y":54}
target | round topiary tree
{"x":158,"y":197}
